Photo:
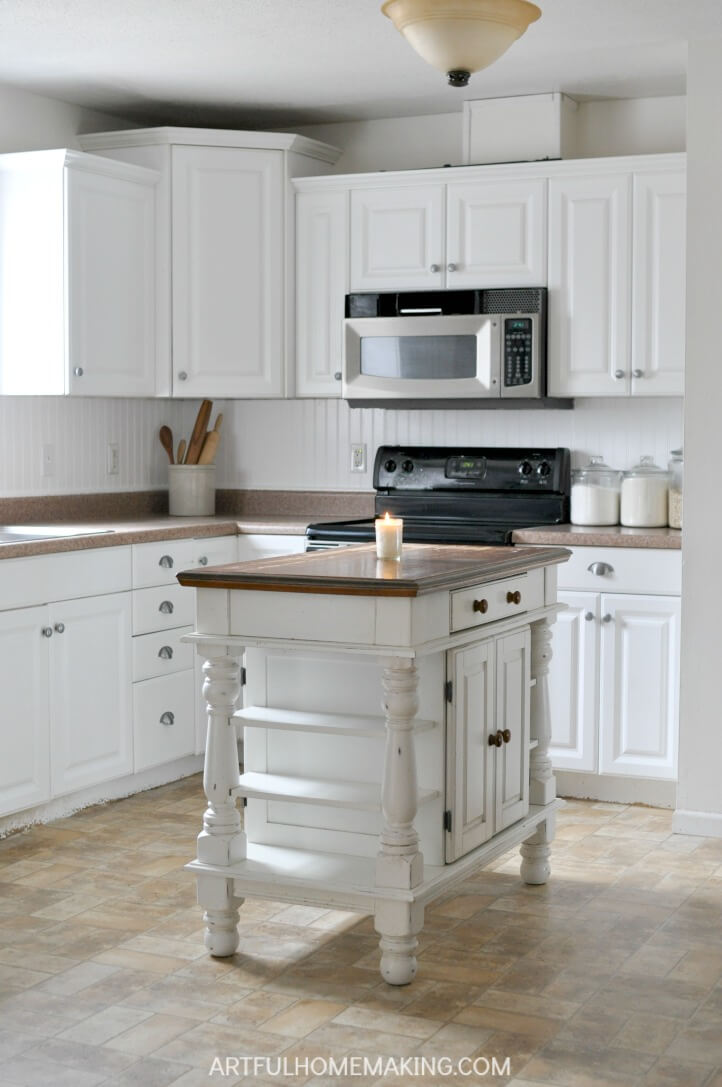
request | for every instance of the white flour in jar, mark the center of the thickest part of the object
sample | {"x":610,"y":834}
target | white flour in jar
{"x":644,"y":501}
{"x":674,"y":518}
{"x":594,"y":505}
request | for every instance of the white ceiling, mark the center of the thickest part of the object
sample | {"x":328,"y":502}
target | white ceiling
{"x":284,"y":62}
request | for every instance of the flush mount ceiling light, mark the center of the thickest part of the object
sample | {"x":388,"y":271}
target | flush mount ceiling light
{"x":460,"y":36}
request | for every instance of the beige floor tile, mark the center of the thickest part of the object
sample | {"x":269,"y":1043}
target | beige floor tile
{"x":104,"y":1025}
{"x":146,"y":1037}
{"x":255,"y":1008}
{"x":391,"y":1023}
{"x":302,"y":1017}
{"x":672,"y":1073}
{"x":647,"y":1033}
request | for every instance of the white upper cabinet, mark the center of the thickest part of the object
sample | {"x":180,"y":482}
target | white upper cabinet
{"x":227,"y":230}
{"x":496,"y":234}
{"x":658,"y":283}
{"x":78,"y":311}
{"x":617,"y":278}
{"x":397,"y":238}
{"x":466,"y":234}
{"x":590,"y":248}
{"x":321,"y":285}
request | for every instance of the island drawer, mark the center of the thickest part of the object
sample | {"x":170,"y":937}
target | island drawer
{"x":496,"y":600}
{"x":164,"y":723}
{"x":161,"y":653}
{"x":162,"y":608}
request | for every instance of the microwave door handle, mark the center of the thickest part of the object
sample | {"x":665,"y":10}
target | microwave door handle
{"x":411,"y":312}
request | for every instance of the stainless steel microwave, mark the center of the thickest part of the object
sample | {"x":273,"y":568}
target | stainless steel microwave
{"x":445,"y":345}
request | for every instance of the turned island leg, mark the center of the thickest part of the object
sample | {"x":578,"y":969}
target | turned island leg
{"x":535,"y":851}
{"x":221,"y":842}
{"x":399,"y":864}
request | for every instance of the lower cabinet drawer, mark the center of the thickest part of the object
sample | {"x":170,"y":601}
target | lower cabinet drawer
{"x":164,"y":719}
{"x":161,"y":654}
{"x":497,"y":600}
{"x":162,"y":608}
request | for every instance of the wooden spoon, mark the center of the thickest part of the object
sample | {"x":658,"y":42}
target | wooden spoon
{"x":166,"y":440}
{"x":181,"y":451}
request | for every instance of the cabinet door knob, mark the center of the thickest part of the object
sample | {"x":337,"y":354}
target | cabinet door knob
{"x":166,"y":607}
{"x":601,"y":569}
{"x":589,"y":615}
{"x":337,"y":376}
{"x":59,"y":628}
{"x":607,"y":618}
{"x":182,"y":376}
{"x":47,"y":632}
{"x":637,"y":373}
{"x":165,"y":653}
{"x":166,"y":561}
{"x":78,"y":371}
{"x":451,"y":267}
{"x":513,"y":598}
{"x":435,"y":268}
{"x":506,"y":735}
{"x":203,"y":560}
{"x":619,"y":374}
{"x":167,"y":718}
{"x":496,"y":739}
{"x":481,"y":605}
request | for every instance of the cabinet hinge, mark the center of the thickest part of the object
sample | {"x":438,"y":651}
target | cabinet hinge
{"x":449,"y":691}
{"x":447,"y":821}
{"x":243,"y":677}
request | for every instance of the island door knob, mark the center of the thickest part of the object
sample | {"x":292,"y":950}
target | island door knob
{"x":481,"y":605}
{"x":59,"y":628}
{"x":619,"y":374}
{"x":496,"y":739}
{"x":506,"y":735}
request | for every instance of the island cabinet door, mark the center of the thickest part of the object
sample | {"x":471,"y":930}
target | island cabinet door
{"x":470,"y":759}
{"x":511,"y":759}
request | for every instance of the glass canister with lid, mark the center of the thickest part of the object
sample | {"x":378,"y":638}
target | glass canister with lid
{"x":676,"y":472}
{"x":595,"y":494}
{"x":644,"y":495}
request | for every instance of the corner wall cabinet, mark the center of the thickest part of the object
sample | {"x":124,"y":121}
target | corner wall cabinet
{"x":614,"y":676}
{"x":78,"y":303}
{"x":225,"y":233}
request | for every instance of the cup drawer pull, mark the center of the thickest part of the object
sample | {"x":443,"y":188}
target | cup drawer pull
{"x":167,"y":718}
{"x":166,"y":653}
{"x":166,"y":607}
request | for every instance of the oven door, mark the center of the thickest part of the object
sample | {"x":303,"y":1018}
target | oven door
{"x":422,"y":357}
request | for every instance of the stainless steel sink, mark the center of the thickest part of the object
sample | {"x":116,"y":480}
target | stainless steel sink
{"x":10,"y":534}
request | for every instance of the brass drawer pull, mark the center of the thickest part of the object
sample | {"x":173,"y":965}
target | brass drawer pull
{"x":481,"y":605}
{"x":513,"y":598}
{"x":496,"y":739}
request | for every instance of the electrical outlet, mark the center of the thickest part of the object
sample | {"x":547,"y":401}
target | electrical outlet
{"x":47,"y":461}
{"x":112,"y":466}
{"x":358,"y":458}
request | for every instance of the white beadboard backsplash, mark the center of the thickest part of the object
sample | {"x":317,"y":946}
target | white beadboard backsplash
{"x":296,"y":444}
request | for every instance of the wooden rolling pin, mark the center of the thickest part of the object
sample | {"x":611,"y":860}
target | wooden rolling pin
{"x":195,"y":445}
{"x":210,"y":445}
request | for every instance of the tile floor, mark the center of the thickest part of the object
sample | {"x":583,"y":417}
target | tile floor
{"x":610,"y":975}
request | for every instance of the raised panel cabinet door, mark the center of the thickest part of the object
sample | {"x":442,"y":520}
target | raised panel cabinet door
{"x":228,"y":270}
{"x":658,"y":283}
{"x":496,"y":234}
{"x":511,"y":759}
{"x":91,"y":677}
{"x":111,"y":285}
{"x":321,"y":286}
{"x":639,"y":671}
{"x":469,"y":758}
{"x":590,"y":246}
{"x":574,"y":683}
{"x":397,"y":238}
{"x":24,"y":709}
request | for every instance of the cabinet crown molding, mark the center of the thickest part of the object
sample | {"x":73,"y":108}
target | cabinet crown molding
{"x":211,"y":137}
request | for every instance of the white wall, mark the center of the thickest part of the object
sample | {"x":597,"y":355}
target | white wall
{"x":699,"y":794}
{"x":30,"y":122}
{"x":616,"y":126}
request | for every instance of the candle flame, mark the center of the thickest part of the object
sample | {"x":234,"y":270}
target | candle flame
{"x":386,"y":516}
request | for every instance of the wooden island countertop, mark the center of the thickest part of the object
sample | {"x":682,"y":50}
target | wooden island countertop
{"x":355,"y":570}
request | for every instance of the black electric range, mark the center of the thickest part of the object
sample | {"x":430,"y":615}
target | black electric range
{"x":459,"y":495}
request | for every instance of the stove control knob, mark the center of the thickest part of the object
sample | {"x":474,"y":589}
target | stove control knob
{"x":525,"y":468}
{"x":390,"y":466}
{"x":408,"y":466}
{"x":543,"y":469}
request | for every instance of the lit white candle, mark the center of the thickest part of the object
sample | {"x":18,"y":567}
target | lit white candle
{"x":389,"y":534}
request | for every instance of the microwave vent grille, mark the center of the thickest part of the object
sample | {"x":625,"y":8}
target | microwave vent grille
{"x":523,"y":300}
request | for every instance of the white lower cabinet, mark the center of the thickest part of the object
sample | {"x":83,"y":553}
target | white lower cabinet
{"x":614,"y":675}
{"x":25,"y":716}
{"x":487,"y":744}
{"x":164,"y":719}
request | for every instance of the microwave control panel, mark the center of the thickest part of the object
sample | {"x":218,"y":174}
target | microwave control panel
{"x":518,"y":336}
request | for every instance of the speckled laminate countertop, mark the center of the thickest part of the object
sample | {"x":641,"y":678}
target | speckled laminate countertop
{"x":600,"y":536}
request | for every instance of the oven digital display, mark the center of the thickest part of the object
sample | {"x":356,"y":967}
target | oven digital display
{"x":465,"y":468}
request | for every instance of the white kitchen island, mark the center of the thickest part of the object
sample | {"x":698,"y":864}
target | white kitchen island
{"x":348,"y":807}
